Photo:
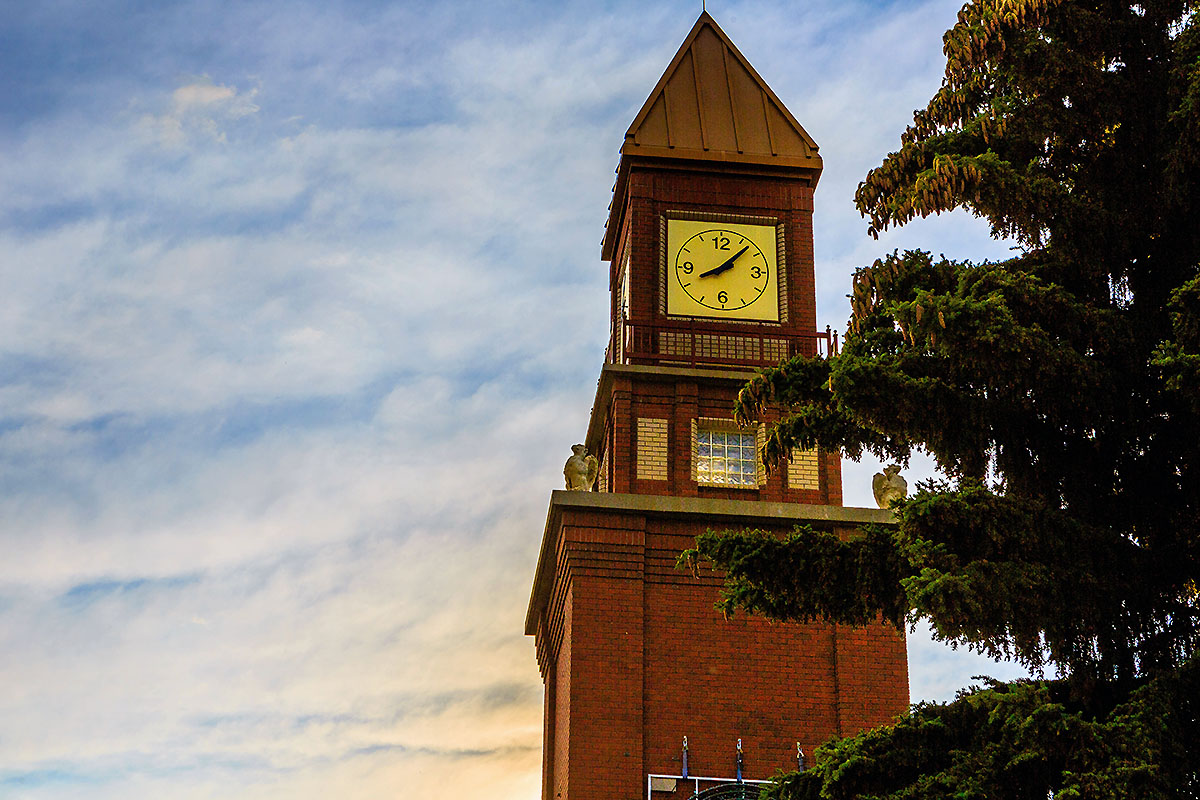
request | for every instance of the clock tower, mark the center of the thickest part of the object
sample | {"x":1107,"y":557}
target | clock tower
{"x":709,"y":243}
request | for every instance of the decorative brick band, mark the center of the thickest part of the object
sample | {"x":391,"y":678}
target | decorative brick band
{"x":802,"y":470}
{"x":651,"y":449}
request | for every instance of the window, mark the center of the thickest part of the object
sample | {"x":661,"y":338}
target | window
{"x":725,"y":455}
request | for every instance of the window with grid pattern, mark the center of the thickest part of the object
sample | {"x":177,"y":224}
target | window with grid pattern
{"x":726,"y":458}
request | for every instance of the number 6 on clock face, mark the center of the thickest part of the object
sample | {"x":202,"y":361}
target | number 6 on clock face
{"x":722,"y":270}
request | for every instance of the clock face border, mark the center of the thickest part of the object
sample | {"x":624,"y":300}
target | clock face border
{"x":675,"y":302}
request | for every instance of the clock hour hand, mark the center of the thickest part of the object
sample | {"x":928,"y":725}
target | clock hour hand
{"x":717,"y":270}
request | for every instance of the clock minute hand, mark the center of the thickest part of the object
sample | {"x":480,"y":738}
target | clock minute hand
{"x":726,"y":264}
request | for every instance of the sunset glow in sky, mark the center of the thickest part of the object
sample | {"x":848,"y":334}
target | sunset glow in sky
{"x":301,"y":308}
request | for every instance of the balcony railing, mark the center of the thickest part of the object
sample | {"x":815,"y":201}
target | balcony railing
{"x":696,"y":343}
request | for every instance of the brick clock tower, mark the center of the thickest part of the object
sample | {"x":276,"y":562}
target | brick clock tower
{"x":710,"y":249}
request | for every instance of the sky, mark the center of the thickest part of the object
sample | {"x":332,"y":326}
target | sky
{"x":301,"y":308}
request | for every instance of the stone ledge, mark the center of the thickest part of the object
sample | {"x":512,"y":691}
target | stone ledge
{"x":741,"y":510}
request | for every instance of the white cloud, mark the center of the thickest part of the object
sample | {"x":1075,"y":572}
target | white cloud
{"x":199,"y":109}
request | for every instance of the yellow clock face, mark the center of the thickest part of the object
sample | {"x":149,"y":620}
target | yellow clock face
{"x":722,"y":269}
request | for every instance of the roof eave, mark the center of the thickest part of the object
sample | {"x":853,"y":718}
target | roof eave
{"x":808,"y":168}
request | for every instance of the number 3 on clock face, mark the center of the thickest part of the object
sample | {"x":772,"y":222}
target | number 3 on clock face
{"x":722,"y":270}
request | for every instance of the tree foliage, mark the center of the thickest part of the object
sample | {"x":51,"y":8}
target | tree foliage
{"x":1021,"y":741}
{"x":1058,"y":391}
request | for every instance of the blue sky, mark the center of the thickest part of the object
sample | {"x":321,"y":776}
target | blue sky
{"x":301,"y":309}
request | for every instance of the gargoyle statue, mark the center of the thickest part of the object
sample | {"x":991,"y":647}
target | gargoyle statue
{"x":581,"y":469}
{"x":889,"y":486}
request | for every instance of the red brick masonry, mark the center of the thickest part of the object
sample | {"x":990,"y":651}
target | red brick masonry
{"x":626,"y":393}
{"x":635,"y":657}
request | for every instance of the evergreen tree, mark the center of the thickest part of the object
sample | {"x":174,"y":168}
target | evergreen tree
{"x":1058,"y":391}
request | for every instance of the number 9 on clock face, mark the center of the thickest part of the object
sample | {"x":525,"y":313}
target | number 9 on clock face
{"x":722,"y":270}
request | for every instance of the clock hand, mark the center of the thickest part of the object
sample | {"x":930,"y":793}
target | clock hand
{"x":726,"y":265}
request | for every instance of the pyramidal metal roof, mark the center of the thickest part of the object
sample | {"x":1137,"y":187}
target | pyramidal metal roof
{"x":711,"y":105}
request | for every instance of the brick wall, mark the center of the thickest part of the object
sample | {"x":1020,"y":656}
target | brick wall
{"x":646,"y":660}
